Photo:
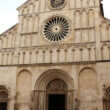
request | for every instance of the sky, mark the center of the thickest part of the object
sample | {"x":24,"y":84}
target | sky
{"x":9,"y":14}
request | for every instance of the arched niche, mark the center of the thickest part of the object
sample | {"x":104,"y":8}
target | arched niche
{"x":87,"y":85}
{"x":45,"y":82}
{"x":23,"y":84}
{"x":3,"y":98}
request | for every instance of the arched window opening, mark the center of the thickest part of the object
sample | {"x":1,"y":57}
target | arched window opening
{"x":3,"y":98}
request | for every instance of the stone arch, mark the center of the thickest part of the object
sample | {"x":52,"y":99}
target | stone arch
{"x":40,"y":93}
{"x":23,"y":84}
{"x":87,"y":85}
{"x":52,"y":74}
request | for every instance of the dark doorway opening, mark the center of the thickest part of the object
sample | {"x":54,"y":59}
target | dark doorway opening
{"x":3,"y":106}
{"x":56,"y":102}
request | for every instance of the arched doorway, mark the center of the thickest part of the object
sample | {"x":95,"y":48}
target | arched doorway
{"x":3,"y":98}
{"x":54,"y":86}
{"x":56,"y":95}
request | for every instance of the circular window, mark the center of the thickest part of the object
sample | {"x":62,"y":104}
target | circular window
{"x":56,"y":4}
{"x":56,"y":29}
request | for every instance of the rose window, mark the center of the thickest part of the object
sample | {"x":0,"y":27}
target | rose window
{"x":56,"y":29}
{"x":57,"y":3}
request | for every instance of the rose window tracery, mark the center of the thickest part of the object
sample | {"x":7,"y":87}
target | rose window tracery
{"x":56,"y":29}
{"x":56,"y":4}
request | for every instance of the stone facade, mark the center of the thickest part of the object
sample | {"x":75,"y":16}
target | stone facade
{"x":29,"y":62}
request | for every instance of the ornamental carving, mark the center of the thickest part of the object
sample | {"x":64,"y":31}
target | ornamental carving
{"x":56,"y":85}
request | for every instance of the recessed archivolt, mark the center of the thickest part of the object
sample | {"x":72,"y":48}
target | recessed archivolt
{"x":3,"y":88}
{"x":84,"y":68}
{"x":53,"y":74}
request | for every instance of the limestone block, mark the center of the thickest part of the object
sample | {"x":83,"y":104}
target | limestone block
{"x":78,"y":36}
{"x":21,"y":21}
{"x":72,"y":4}
{"x":84,"y":3}
{"x":47,"y":58}
{"x":85,"y":35}
{"x":36,"y":9}
{"x":1,"y":58}
{"x":40,"y":56}
{"x":97,"y":2}
{"x":92,"y":54}
{"x":62,"y":55}
{"x":27,"y":58}
{"x":91,"y":35}
{"x":25,"y":10}
{"x":69,"y":55}
{"x":77,"y":19}
{"x":78,"y":3}
{"x":91,"y":18}
{"x":54,"y":55}
{"x":84,"y":19}
{"x":9,"y":41}
{"x":22,"y":42}
{"x":36,"y":20}
{"x":34,"y":40}
{"x":42,"y":5}
{"x":85,"y":54}
{"x":33,"y":57}
{"x":105,"y":53}
{"x":91,"y":3}
{"x":14,"y":39}
{"x":10,"y":56}
{"x":5,"y":42}
{"x":77,"y":55}
{"x":30,"y":25}
{"x":21,"y":58}
{"x":28,"y":40}
{"x":25,"y":23}
{"x":31,"y":9}
{"x":5,"y":58}
{"x":109,"y":32}
{"x":0,"y":43}
{"x":20,"y":12}
{"x":104,"y":36}
{"x":15,"y":58}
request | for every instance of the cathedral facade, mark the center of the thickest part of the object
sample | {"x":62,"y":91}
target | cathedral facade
{"x":57,"y":57}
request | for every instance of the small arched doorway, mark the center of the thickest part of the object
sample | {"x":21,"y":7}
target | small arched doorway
{"x":51,"y":87}
{"x":56,"y":95}
{"x":3,"y":98}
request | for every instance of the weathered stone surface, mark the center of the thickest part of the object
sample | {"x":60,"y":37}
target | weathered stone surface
{"x":29,"y":62}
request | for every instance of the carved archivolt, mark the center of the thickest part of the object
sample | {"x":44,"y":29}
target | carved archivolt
{"x":53,"y":74}
{"x":3,"y":94}
{"x":56,"y":85}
